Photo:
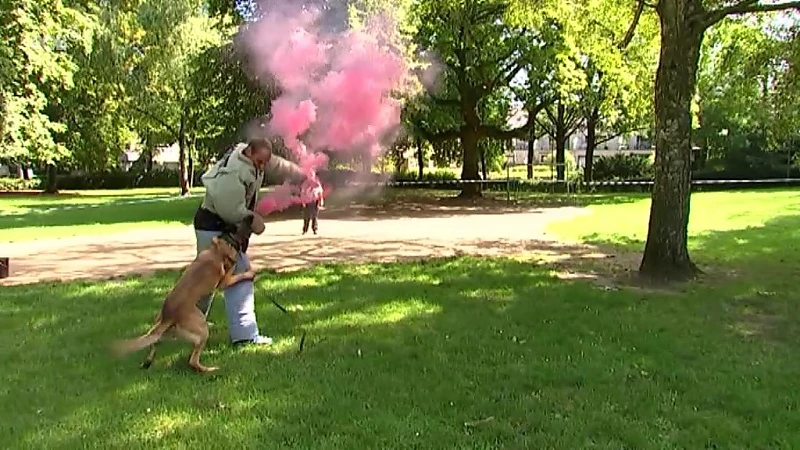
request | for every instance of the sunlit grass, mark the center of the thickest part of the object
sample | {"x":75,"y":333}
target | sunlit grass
{"x":458,"y":353}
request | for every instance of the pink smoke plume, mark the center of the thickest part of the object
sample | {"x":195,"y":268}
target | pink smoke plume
{"x":336,"y":89}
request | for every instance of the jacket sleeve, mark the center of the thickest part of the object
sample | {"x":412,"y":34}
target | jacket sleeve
{"x":229,"y":198}
{"x":286,"y":170}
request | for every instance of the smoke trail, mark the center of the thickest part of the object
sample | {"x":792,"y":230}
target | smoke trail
{"x":337,"y":88}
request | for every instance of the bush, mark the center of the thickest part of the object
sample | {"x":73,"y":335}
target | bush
{"x":17,"y":184}
{"x":438,"y":175}
{"x":122,"y":180}
{"x":622,"y":166}
{"x":569,"y":161}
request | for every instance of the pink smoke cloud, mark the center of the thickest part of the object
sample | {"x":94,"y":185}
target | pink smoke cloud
{"x":336,"y":89}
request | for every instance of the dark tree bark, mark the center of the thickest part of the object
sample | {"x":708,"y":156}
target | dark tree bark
{"x":482,"y":147}
{"x":666,"y":256}
{"x":51,"y":180}
{"x":184,"y":178}
{"x":531,"y":150}
{"x":469,"y":170}
{"x":561,"y":142}
{"x":420,"y":160}
{"x":591,"y":144}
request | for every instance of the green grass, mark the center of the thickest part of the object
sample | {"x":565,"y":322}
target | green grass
{"x":403,"y":355}
{"x":740,"y":216}
{"x":34,"y":217}
{"x":41,"y":217}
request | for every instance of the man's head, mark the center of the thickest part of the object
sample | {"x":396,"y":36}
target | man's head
{"x":259,"y":150}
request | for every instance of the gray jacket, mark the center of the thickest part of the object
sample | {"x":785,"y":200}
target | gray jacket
{"x":232,"y":184}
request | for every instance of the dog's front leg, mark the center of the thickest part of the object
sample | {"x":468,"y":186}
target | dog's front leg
{"x":230,"y":279}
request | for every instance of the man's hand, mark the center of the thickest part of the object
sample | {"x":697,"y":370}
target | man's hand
{"x":258,"y":226}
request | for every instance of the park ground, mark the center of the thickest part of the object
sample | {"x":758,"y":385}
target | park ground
{"x":452,"y":325}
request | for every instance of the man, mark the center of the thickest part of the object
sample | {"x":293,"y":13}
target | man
{"x":314,"y":195}
{"x":232,"y":186}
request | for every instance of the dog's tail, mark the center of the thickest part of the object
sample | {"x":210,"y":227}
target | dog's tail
{"x":121,"y":348}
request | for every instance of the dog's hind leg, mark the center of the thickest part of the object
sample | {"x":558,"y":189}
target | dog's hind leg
{"x":195,"y":330}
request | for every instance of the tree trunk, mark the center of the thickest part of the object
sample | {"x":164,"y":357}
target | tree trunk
{"x":666,"y":257}
{"x":420,"y":160}
{"x":591,"y":143}
{"x":192,"y":152}
{"x":51,"y":180}
{"x":531,"y":151}
{"x":150,"y":156}
{"x":469,"y":170}
{"x":484,"y":172}
{"x":184,"y":178}
{"x":561,"y":143}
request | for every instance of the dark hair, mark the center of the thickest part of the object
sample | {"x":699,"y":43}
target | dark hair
{"x":260,"y":144}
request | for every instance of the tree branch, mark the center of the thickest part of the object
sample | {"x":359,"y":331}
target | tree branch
{"x":746,"y":7}
{"x":548,"y":129}
{"x":521,"y":132}
{"x":445,"y":101}
{"x":443,"y":136}
{"x":156,"y":119}
{"x":637,"y":14}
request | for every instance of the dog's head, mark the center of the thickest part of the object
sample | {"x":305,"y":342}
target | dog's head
{"x":225,"y":248}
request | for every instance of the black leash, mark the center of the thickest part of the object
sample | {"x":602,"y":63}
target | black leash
{"x":294,"y":325}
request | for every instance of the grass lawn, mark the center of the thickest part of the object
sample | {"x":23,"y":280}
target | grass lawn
{"x":724,"y":227}
{"x":24,"y":218}
{"x":461,"y":353}
{"x":34,"y":217}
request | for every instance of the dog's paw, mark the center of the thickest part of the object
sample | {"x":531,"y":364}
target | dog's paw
{"x":248,"y":276}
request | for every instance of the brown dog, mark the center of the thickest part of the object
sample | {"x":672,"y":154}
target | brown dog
{"x":212,"y":269}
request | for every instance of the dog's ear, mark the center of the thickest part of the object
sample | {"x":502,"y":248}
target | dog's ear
{"x":224,"y":247}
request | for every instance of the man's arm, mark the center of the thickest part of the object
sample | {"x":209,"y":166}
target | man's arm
{"x":229,"y":193}
{"x":287,"y":170}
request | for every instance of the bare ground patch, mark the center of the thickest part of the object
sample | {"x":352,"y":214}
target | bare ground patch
{"x":387,"y":233}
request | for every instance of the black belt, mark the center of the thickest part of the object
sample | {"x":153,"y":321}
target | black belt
{"x":205,"y":220}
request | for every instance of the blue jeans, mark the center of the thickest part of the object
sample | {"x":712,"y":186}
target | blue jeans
{"x":239,"y":298}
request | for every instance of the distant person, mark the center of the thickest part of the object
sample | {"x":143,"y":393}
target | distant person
{"x":313,"y":194}
{"x":232,"y":186}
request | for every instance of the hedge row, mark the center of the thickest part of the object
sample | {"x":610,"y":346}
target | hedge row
{"x":610,"y":169}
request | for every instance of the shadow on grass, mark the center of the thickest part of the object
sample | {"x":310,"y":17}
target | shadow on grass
{"x":456,"y":353}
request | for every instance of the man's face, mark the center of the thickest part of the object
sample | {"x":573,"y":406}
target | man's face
{"x":260,"y":157}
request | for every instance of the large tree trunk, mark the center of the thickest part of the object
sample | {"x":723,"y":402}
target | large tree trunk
{"x":51,"y":180}
{"x":184,"y":178}
{"x":531,"y":149}
{"x":469,"y":170}
{"x":591,"y":143}
{"x":420,"y":160}
{"x":666,"y":257}
{"x":561,"y":143}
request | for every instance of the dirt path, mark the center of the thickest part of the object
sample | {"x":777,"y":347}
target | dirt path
{"x":354,"y":237}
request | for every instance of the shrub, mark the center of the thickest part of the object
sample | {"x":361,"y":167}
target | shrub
{"x":438,"y":175}
{"x":569,"y":161}
{"x":621,"y":166}
{"x":17,"y":184}
{"x":123,"y":180}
